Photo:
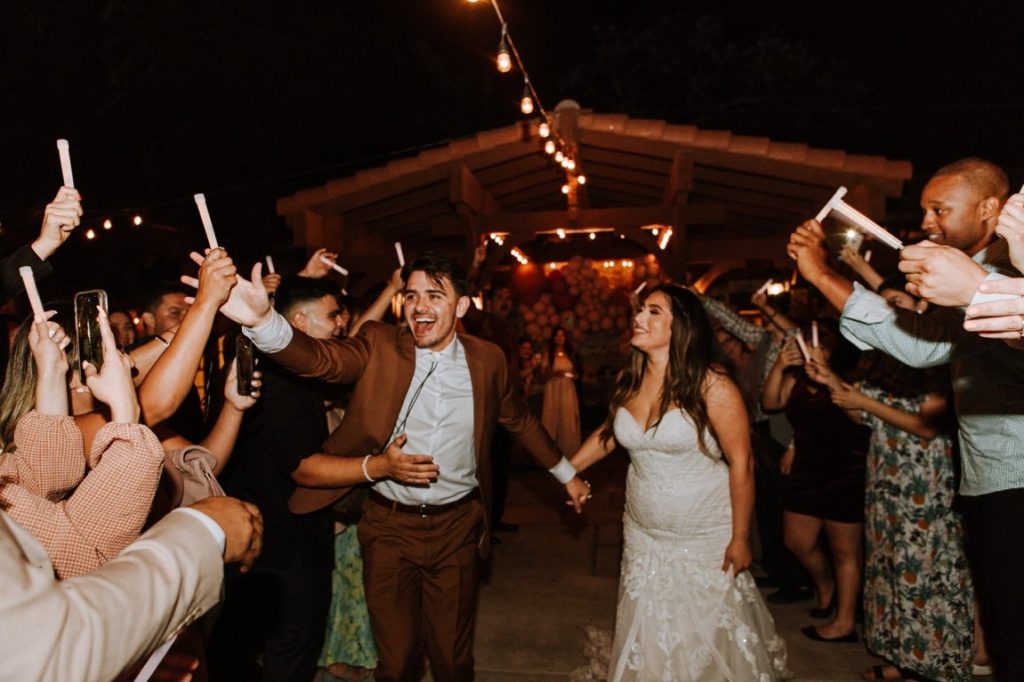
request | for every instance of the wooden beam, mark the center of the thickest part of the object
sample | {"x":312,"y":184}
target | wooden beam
{"x":622,"y":159}
{"x":680,"y":179}
{"x":466,"y":190}
{"x":713,"y":250}
{"x":595,"y":170}
{"x":398,"y":203}
{"x":635,"y":216}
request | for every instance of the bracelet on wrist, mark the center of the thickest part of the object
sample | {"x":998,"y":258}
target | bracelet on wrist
{"x":366,"y":474}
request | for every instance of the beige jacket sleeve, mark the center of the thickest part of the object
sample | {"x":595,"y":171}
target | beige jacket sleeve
{"x":93,"y":626}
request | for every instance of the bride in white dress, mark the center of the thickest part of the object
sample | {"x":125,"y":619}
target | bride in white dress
{"x":688,"y":608}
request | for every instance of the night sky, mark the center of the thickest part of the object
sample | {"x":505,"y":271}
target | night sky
{"x":248,"y":101}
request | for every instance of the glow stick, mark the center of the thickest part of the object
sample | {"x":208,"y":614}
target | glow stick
{"x":814,"y":333}
{"x":33,"y":293}
{"x":328,"y":262}
{"x":858,"y":219}
{"x":827,"y":208}
{"x":636,"y":292}
{"x":65,"y":162}
{"x":204,"y":215}
{"x":270,"y":265}
{"x":803,"y":346}
{"x":154,"y":661}
{"x":867,"y":256}
{"x":401,"y":256}
{"x":764,"y":288}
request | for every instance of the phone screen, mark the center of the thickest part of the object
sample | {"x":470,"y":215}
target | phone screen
{"x":246,"y":364}
{"x":87,"y":328}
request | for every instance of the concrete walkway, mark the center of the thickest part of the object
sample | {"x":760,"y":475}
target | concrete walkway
{"x":559,"y":573}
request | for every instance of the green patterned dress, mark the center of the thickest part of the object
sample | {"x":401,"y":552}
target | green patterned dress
{"x":918,"y":598}
{"x":349,"y":638}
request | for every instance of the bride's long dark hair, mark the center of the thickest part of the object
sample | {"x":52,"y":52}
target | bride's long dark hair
{"x":694,"y":352}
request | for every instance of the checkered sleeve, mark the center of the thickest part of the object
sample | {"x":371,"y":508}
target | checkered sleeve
{"x":48,"y":458}
{"x":106,"y":512}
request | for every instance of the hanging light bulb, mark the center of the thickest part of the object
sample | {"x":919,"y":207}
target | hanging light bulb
{"x":570,"y":164}
{"x":561,"y":233}
{"x":559,"y":156}
{"x":544,"y":129}
{"x":565,"y":163}
{"x":137,"y":220}
{"x":108,"y":224}
{"x":90,"y":233}
{"x":526,"y":103}
{"x":504,"y":59}
{"x":593,"y":236}
{"x":549,"y":146}
{"x":565,"y":188}
{"x":581,"y":179}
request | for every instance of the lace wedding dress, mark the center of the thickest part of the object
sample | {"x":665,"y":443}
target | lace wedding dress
{"x":680,"y":617}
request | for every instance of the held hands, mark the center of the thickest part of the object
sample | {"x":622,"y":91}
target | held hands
{"x":579,"y":492}
{"x":113,"y":384}
{"x":315,"y":268}
{"x":943,"y":275}
{"x":217,"y":277}
{"x":61,"y":217}
{"x":242,"y":524}
{"x":402,"y":467}
{"x":737,"y":556}
{"x":807,"y":247}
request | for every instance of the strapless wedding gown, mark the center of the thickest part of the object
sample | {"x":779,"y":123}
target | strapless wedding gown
{"x":680,"y":617}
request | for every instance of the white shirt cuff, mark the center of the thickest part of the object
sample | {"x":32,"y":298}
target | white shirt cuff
{"x":273,"y":336}
{"x":216,"y":531}
{"x":563,"y":471}
{"x":980,"y":298}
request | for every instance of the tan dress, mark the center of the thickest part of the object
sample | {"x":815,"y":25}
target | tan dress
{"x":561,"y":412}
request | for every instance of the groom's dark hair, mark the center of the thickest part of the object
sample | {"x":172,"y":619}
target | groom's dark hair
{"x":439,"y":266}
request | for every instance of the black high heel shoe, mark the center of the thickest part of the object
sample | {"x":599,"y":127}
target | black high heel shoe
{"x":827,"y":611}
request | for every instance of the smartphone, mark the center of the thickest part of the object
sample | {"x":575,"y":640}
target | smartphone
{"x":245,"y":357}
{"x":87,"y":328}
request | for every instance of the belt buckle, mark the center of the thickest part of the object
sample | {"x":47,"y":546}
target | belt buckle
{"x":423,"y":510}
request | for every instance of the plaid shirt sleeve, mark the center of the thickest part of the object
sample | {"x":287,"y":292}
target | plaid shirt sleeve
{"x":48,"y":458}
{"x":106,"y":512}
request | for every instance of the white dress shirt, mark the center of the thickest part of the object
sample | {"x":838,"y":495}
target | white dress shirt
{"x":437,"y":418}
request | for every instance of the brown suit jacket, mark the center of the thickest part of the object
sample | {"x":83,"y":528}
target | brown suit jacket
{"x":381,"y":360}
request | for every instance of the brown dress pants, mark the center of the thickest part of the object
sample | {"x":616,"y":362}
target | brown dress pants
{"x":420,"y":574}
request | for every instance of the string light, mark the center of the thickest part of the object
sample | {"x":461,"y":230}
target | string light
{"x":504,"y":59}
{"x":559,"y":156}
{"x":549,"y":146}
{"x":497,"y":238}
{"x":593,"y":236}
{"x":565,"y":188}
{"x":90,"y":233}
{"x":526,"y":104}
{"x":519,"y":256}
{"x":561,"y":233}
{"x":665,"y":236}
{"x":581,"y":179}
{"x":108,"y":224}
{"x":570,"y":164}
{"x":137,"y":220}
{"x":544,"y":130}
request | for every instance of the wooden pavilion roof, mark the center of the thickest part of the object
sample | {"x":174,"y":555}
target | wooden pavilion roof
{"x":728,"y":196}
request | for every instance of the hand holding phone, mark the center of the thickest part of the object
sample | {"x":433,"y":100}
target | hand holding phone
{"x":88,"y":337}
{"x":113,"y":383}
{"x":245,"y":365}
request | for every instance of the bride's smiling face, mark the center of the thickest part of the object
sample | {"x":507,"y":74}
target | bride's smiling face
{"x":652,"y":325}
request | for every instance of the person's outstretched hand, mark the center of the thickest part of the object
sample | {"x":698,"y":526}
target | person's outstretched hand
{"x":61,"y":217}
{"x":248,"y":304}
{"x":316,"y":268}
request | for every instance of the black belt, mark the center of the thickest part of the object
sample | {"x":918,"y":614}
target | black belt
{"x":424,"y":509}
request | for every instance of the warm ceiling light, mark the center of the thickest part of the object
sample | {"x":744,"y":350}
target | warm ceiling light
{"x":137,"y":220}
{"x":581,"y":179}
{"x":549,"y":146}
{"x":565,"y":188}
{"x":526,"y":103}
{"x":593,"y":236}
{"x":544,"y":129}
{"x":504,"y":59}
{"x":559,"y":156}
{"x":561,"y":233}
{"x":90,"y":233}
{"x":108,"y":224}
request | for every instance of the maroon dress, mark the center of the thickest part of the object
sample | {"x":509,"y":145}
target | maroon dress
{"x":827,"y":477}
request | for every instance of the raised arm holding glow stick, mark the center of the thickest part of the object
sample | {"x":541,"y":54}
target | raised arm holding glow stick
{"x":334,"y":266}
{"x":64,"y":151}
{"x":803,"y":346}
{"x":33,"y":293}
{"x":204,"y":215}
{"x":401,"y":256}
{"x":858,"y":219}
{"x":764,"y":288}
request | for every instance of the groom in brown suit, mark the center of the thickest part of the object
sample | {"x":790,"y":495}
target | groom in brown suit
{"x":426,"y":390}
